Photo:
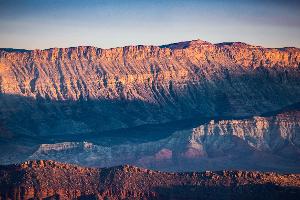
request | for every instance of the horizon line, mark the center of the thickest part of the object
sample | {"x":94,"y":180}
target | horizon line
{"x":149,"y":45}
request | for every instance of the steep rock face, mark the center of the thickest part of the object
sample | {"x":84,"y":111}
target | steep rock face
{"x":262,"y":133}
{"x":89,"y":72}
{"x":87,"y":89}
{"x":258,"y":143}
{"x":52,"y":180}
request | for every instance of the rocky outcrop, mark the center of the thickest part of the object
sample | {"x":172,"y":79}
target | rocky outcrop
{"x":257,"y":143}
{"x":87,"y":89}
{"x":53,"y":180}
{"x":262,"y":133}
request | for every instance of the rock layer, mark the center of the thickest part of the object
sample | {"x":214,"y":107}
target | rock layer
{"x":52,"y":180}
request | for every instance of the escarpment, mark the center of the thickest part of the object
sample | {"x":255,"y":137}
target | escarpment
{"x":87,"y":89}
{"x":87,"y":72}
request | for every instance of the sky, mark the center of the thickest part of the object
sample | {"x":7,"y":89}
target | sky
{"x":41,"y":24}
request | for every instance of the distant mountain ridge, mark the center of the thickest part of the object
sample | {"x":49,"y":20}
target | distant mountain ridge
{"x":178,"y":45}
{"x":126,"y":62}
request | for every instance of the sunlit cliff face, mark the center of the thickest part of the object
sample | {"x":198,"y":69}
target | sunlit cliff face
{"x":89,"y":72}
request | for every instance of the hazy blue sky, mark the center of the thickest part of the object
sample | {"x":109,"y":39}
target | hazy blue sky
{"x":43,"y":24}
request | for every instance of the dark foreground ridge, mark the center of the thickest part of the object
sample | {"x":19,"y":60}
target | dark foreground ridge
{"x":54,"y":180}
